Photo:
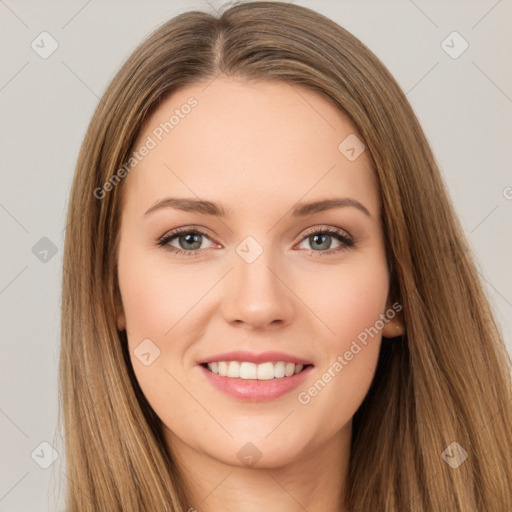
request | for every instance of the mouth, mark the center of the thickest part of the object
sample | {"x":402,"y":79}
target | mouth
{"x":251,"y":371}
{"x":250,"y":382}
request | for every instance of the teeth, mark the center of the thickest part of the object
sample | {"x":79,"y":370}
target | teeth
{"x":246,"y":370}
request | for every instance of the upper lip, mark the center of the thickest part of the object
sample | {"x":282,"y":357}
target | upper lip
{"x":263,"y":357}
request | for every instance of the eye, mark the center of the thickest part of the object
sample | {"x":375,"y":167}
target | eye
{"x":321,"y":238}
{"x":189,"y":238}
{"x":190,"y":241}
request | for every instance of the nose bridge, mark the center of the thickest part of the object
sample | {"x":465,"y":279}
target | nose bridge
{"x":255,"y":292}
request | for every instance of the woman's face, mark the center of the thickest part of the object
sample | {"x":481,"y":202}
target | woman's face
{"x":271,"y":275}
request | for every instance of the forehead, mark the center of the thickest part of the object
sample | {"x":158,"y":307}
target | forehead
{"x":256,"y":141}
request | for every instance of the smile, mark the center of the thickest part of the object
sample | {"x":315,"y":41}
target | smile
{"x":255,"y":382}
{"x":248,"y":370}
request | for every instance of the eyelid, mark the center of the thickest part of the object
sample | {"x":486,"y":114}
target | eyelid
{"x":205,"y":231}
{"x":174,"y":233}
{"x":326,"y":228}
{"x":337,"y":232}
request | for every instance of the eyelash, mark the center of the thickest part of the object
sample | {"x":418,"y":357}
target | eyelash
{"x":342,"y":236}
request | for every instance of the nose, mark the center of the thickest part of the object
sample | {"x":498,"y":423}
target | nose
{"x":257,"y":295}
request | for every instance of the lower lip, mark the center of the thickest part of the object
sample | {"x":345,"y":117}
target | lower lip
{"x":256,"y":390}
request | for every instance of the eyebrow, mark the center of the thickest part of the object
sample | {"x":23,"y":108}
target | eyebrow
{"x":209,"y":208}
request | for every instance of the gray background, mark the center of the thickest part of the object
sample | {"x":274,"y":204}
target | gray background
{"x":464,"y":105}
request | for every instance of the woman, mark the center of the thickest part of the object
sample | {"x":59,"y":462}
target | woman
{"x":254,"y":367}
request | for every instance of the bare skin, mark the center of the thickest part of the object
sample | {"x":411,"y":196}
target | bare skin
{"x":256,"y":149}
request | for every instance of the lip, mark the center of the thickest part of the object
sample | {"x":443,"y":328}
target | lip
{"x":253,"y":390}
{"x":251,"y":357}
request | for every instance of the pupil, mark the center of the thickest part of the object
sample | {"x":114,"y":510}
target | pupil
{"x":190,"y":238}
{"x":313,"y":240}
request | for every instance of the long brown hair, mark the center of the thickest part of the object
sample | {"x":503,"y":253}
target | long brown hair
{"x":447,"y":380}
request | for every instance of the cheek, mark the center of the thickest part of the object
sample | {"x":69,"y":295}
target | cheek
{"x":359,"y":302}
{"x":347,"y":299}
{"x":350,"y":341}
{"x":156,"y":297}
{"x":157,"y":303}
